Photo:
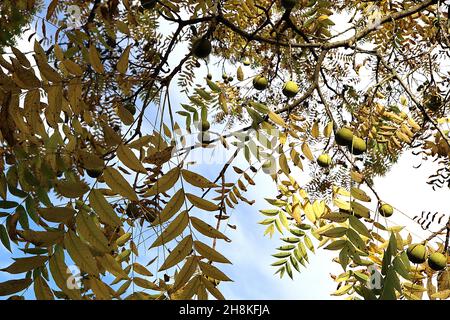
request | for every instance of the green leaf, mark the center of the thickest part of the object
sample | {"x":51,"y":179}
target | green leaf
{"x":5,"y":238}
{"x":359,"y":226}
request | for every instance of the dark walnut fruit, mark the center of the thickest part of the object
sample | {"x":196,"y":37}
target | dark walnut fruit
{"x":324,"y":160}
{"x":386,"y":210}
{"x":432,"y":102}
{"x":201,"y":48}
{"x":344,"y":137}
{"x":437,"y":261}
{"x":290,"y":89}
{"x":417,"y":253}
{"x":133,"y":210}
{"x":148,"y":4}
{"x":149,"y":214}
{"x":131,"y":108}
{"x":260,"y":83}
{"x":94,"y":173}
{"x":288,"y":4}
{"x":358,"y":146}
{"x":10,"y":158}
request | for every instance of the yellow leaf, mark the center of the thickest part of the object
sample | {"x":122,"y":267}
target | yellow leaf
{"x":41,"y":289}
{"x":122,"y":64}
{"x":123,"y":239}
{"x":359,"y":194}
{"x":315,"y":130}
{"x":307,"y":151}
{"x":197,"y":180}
{"x":125,"y":115}
{"x":94,"y":59}
{"x":328,"y":130}
{"x":185,"y":273}
{"x":284,"y":164}
{"x":190,"y":289}
{"x":178,"y":253}
{"x":277,"y":119}
{"x":71,"y":189}
{"x":118,"y":184}
{"x":57,"y":214}
{"x":129,"y":159}
{"x":164,"y":183}
{"x":209,"y":253}
{"x":80,"y":253}
{"x":202,"y":203}
{"x":72,"y":67}
{"x":309,"y":212}
{"x":212,"y":289}
{"x":41,"y":238}
{"x":111,"y":265}
{"x":60,"y":274}
{"x":342,"y":290}
{"x":174,"y":229}
{"x":211,"y":271}
{"x":146,"y":284}
{"x":21,"y":265}
{"x":48,"y":72}
{"x":101,"y":290}
{"x":240,"y":74}
{"x":138,"y":268}
{"x":171,"y":208}
{"x":206,"y":229}
{"x":103,"y":209}
{"x":90,"y":232}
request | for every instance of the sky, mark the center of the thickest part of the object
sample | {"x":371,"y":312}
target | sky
{"x":250,"y":252}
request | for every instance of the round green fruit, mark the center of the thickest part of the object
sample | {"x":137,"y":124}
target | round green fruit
{"x":437,"y":261}
{"x":288,"y":4}
{"x":324,"y":160}
{"x":201,"y":48}
{"x":344,"y":137}
{"x":246,"y":62}
{"x":290,"y":89}
{"x":358,"y":146}
{"x":417,"y":253}
{"x":260,"y":83}
{"x":204,"y":126}
{"x":386,"y":210}
{"x":94,"y":173}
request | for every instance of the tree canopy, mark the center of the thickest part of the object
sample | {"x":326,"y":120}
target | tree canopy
{"x":95,"y":152}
